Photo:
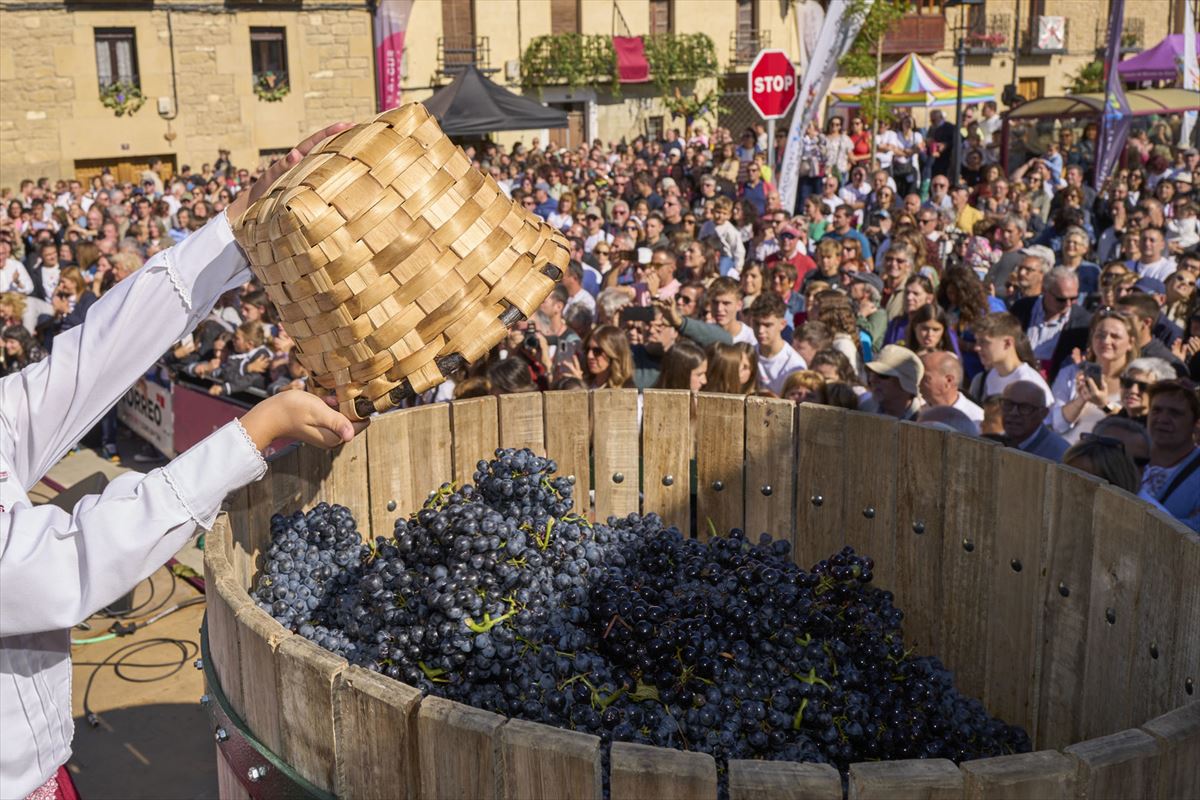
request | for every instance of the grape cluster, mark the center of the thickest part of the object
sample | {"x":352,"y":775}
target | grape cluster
{"x":496,"y":595}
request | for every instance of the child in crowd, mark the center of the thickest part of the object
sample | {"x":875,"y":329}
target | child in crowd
{"x":1000,"y":345}
{"x":248,"y":366}
{"x":776,"y":358}
{"x":733,"y":249}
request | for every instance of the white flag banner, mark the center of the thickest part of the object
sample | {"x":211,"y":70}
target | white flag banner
{"x":809,"y":18}
{"x":1191,"y":71}
{"x":837,"y":35}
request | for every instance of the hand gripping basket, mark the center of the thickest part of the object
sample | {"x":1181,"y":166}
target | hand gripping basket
{"x":392,"y":261}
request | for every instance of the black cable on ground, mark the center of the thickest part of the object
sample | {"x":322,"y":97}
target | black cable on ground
{"x":124,"y":625}
{"x":188,"y":650}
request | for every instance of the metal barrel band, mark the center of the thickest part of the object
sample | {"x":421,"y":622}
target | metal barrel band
{"x":244,"y":753}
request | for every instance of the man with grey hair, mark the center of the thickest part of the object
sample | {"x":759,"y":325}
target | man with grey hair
{"x":1012,"y":240}
{"x":1053,"y":314}
{"x":1036,"y":261}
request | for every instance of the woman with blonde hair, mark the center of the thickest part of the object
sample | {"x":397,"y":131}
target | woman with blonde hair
{"x":564,"y":217}
{"x":608,"y":360}
{"x":804,"y":386}
{"x":732,"y":368}
{"x":1088,"y":390}
{"x":12,"y":309}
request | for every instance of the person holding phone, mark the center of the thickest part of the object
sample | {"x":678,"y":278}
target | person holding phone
{"x":1089,"y":389}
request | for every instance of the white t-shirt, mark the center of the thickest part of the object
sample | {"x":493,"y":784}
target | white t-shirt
{"x":589,"y":244}
{"x":14,"y":277}
{"x":773,"y":371}
{"x":745,"y":335}
{"x":1159,"y":270}
{"x":994,"y":383}
{"x":973,"y":412}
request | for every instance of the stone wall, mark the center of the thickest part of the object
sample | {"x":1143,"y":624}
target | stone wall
{"x":51,"y":116}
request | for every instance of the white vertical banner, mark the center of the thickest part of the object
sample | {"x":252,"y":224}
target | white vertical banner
{"x":809,"y":18}
{"x":837,"y":35}
{"x":1191,"y":70}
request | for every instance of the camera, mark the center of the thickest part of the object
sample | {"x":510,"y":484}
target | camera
{"x":531,"y":342}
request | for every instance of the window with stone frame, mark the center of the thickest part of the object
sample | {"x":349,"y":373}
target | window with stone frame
{"x":268,"y":53}
{"x":116,"y":57}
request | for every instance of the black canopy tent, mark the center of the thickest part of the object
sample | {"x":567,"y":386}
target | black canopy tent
{"x":474,"y":106}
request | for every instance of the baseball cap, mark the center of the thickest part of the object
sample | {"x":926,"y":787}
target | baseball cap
{"x":901,"y":363}
{"x":1191,"y":151}
{"x":869,"y":278}
{"x":1150,"y":286}
{"x":789,"y":230}
{"x":594,"y":211}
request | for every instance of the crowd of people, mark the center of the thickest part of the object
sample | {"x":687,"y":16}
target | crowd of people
{"x":1017,"y":304}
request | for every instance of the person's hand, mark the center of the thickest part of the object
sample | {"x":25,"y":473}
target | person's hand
{"x":245,"y":198}
{"x":215,"y":390}
{"x":301,"y":416}
{"x":1089,"y":390}
{"x":1185,"y":350}
{"x":670,"y":313}
{"x":542,"y":353}
{"x":60,"y":304}
{"x":570,"y":368}
{"x":259,"y":364}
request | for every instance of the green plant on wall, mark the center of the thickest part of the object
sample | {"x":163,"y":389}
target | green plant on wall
{"x":1088,"y":78}
{"x":574,"y":59}
{"x":677,"y":63}
{"x":271,"y":86}
{"x":122,"y":97}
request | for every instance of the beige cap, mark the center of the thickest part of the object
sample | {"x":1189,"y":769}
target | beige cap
{"x":902,"y":363}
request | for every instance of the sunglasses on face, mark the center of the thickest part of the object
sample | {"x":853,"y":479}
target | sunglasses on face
{"x":1129,"y":383}
{"x":595,"y":351}
{"x":600,"y":252}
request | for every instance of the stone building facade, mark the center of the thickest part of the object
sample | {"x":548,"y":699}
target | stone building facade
{"x":195,"y":67}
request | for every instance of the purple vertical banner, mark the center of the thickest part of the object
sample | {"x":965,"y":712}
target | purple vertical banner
{"x":1116,"y":118}
{"x":391,"y":23}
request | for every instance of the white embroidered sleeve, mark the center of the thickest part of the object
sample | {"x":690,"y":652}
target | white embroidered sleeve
{"x":58,"y":568}
{"x":45,"y":408}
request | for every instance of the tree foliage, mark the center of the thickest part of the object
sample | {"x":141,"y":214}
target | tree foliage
{"x":1088,"y":78}
{"x":859,"y":61}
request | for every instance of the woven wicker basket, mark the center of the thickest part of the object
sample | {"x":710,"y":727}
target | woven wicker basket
{"x":392,"y":261}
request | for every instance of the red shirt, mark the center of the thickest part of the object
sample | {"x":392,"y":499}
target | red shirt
{"x":799,"y":260}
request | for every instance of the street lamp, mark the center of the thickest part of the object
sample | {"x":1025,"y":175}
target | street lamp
{"x":960,"y":60}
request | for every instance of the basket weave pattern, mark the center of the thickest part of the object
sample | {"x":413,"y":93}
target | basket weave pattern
{"x":391,"y":260}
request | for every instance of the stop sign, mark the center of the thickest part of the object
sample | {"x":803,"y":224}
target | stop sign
{"x":772,"y":83}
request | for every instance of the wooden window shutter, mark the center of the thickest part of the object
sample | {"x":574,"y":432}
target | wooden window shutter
{"x":660,"y":17}
{"x":457,"y":24}
{"x":564,"y":16}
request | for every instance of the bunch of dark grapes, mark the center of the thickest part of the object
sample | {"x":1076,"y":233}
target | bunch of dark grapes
{"x":496,"y":595}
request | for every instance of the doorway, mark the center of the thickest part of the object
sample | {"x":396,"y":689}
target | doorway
{"x":127,"y":169}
